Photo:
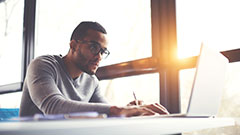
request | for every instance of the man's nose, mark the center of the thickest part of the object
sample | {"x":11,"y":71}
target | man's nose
{"x":99,"y":55}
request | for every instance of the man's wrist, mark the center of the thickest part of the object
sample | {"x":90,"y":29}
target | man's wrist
{"x":115,"y":111}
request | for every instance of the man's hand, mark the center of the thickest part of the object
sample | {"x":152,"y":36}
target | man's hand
{"x":157,"y":108}
{"x":139,"y":102}
{"x":142,"y":110}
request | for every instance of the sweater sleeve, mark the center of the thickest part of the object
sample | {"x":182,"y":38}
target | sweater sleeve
{"x":48,"y":98}
{"x":97,"y":96}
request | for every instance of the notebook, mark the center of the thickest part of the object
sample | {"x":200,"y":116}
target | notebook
{"x":208,"y":85}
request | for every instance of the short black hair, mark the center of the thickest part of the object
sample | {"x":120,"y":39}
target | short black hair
{"x":81,"y":30}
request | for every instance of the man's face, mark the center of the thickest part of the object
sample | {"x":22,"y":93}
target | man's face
{"x":85,"y":57}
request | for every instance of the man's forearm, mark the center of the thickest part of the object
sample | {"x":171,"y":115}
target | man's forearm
{"x":57,"y":104}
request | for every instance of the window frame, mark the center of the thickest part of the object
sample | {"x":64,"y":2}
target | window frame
{"x":164,"y":54}
{"x":27,"y":45}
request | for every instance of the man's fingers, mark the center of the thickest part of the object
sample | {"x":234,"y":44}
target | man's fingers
{"x":140,"y":102}
{"x":150,"y":112}
{"x":144,"y":110}
{"x":136,"y":111}
{"x":158,"y":109}
{"x":162,"y":107}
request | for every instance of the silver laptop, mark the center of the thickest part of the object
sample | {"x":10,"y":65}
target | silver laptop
{"x":207,"y":87}
{"x":208,"y":84}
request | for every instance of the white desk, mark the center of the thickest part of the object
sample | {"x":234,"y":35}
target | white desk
{"x":114,"y":126}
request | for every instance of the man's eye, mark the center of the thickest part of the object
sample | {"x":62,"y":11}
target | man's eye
{"x":94,"y":47}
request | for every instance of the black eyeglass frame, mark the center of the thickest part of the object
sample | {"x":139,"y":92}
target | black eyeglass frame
{"x":94,"y":50}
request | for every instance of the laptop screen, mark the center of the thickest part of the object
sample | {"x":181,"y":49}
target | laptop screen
{"x":208,"y":83}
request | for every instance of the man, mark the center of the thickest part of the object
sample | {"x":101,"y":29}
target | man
{"x":59,"y":85}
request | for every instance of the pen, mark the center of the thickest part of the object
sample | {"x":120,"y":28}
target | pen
{"x":136,"y":101}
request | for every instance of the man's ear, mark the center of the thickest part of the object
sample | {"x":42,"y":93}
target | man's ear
{"x":73,"y":45}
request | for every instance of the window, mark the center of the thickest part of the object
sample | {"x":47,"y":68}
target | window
{"x":11,"y":35}
{"x":212,"y":22}
{"x":119,"y":91}
{"x":6,"y":100}
{"x":216,"y":27}
{"x":128,"y":24}
{"x":230,"y":106}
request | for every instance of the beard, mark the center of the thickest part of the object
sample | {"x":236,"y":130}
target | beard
{"x":83,"y":64}
{"x":86,"y":69}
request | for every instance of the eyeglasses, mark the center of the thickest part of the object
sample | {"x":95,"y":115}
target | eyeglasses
{"x":96,"y":48}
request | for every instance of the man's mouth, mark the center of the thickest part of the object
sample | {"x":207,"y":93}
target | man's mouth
{"x":95,"y":64}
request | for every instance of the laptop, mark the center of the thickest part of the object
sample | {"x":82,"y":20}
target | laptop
{"x":208,"y":85}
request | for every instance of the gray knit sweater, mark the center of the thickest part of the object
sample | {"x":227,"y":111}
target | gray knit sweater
{"x":49,"y":89}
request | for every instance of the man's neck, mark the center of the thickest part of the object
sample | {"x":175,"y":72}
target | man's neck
{"x":71,"y":68}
